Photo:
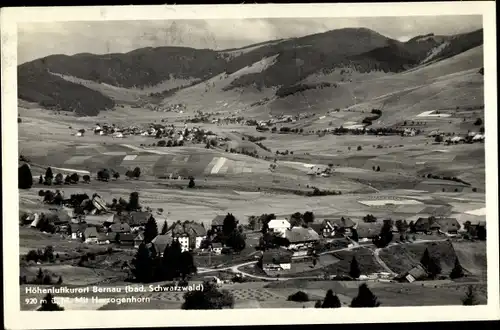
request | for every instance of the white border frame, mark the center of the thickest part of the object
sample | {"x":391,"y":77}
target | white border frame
{"x":15,"y":319}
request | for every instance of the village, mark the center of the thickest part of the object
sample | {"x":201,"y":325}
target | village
{"x":279,"y":246}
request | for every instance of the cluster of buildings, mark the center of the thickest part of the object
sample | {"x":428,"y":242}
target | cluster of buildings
{"x":470,"y":137}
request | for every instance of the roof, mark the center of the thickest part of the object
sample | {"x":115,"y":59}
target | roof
{"x":160,"y":242}
{"x":125,"y":237}
{"x":78,"y":227}
{"x":90,"y":232}
{"x":279,"y":223}
{"x":216,"y":245}
{"x":139,"y":237}
{"x":342,"y":222}
{"x":444,"y":224}
{"x":189,"y":228}
{"x":369,"y":230}
{"x":448,"y":224}
{"x":418,"y":272}
{"x":102,"y":237}
{"x":276,"y":256}
{"x":317,"y":227}
{"x":58,"y":216}
{"x":218,"y":220}
{"x":120,"y":227}
{"x":139,"y":218}
{"x":300,"y":234}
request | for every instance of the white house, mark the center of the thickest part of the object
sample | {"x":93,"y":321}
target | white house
{"x":279,"y":226}
{"x":184,"y":242}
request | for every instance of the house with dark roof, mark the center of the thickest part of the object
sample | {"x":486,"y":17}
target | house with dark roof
{"x":139,"y":218}
{"x":216,"y":248}
{"x":119,"y":228}
{"x":218,"y":223}
{"x":138,"y":240}
{"x":301,"y":240}
{"x":103,"y":239}
{"x":444,"y":225}
{"x":76,"y":230}
{"x":190,"y":234}
{"x":90,"y":235}
{"x":126,"y":239}
{"x":415,"y":274}
{"x":276,"y":260}
{"x":368,"y":230}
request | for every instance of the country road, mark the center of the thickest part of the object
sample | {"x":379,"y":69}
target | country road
{"x":376,"y":254}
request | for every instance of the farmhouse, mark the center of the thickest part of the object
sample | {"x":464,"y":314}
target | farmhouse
{"x":138,"y":240}
{"x":276,"y":260}
{"x":444,"y":225}
{"x":119,"y":228}
{"x":190,"y":234}
{"x":102,"y":239}
{"x":216,"y":248}
{"x":126,"y":239}
{"x":301,"y":240}
{"x":90,"y":235}
{"x":279,"y":226}
{"x":138,"y":219}
{"x":416,"y":273}
{"x":76,"y":230}
{"x":367,"y":231}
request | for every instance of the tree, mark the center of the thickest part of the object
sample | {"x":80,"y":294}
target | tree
{"x":137,"y":172}
{"x":103,"y":175}
{"x":378,"y":168}
{"x":299,"y":296}
{"x":478,"y":122}
{"x":318,"y":304}
{"x":60,"y":280}
{"x":365,"y":298}
{"x":133,"y":201}
{"x":308,"y":217}
{"x":431,"y":265}
{"x":481,"y":233}
{"x":48,"y":176}
{"x":25,"y":178}
{"x":229,"y":225}
{"x":49,"y":304}
{"x":296,"y":219}
{"x":164,"y":228}
{"x":150,"y":230}
{"x":438,"y":138}
{"x":40,"y":180}
{"x":354,"y":235}
{"x":191,"y":183}
{"x":360,"y":148}
{"x":354,"y":270}
{"x":142,"y":264}
{"x":209,"y":298}
{"x":86,"y":178}
{"x":59,"y":179}
{"x":331,"y":300}
{"x":236,"y":240}
{"x":457,"y":271}
{"x":74,"y":178}
{"x":116,"y":175}
{"x":186,"y":264}
{"x":470,"y":298}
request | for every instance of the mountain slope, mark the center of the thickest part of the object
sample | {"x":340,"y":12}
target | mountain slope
{"x":146,"y":71}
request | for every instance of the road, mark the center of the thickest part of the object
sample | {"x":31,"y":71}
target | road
{"x":376,"y":254}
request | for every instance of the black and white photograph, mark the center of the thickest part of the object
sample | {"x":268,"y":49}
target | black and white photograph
{"x":245,"y":161}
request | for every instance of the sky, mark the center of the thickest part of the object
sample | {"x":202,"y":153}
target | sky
{"x":36,"y":40}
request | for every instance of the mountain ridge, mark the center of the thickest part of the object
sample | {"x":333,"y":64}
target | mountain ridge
{"x":363,"y":49}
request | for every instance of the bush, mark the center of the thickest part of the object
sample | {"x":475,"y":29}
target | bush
{"x":478,"y":122}
{"x":360,"y":148}
{"x":299,"y":296}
